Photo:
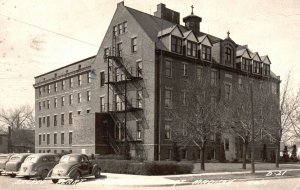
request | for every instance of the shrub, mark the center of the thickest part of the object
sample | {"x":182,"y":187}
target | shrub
{"x":144,"y":168}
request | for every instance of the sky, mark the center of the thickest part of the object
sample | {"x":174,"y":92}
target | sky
{"x":37,"y":36}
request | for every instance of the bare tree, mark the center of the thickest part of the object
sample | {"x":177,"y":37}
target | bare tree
{"x":198,"y":113}
{"x":18,"y":118}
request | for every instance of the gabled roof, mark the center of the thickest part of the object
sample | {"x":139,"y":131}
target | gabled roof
{"x":265,"y":59}
{"x":255,"y":54}
{"x":202,"y":38}
{"x":241,"y":51}
{"x":167,"y":31}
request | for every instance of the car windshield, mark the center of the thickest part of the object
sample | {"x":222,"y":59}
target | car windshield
{"x":3,"y":157}
{"x":15,"y":158}
{"x":68,"y":158}
{"x":31,"y":159}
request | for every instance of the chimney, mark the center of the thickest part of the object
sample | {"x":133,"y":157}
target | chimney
{"x":192,"y":22}
{"x":120,"y":4}
{"x":167,"y":14}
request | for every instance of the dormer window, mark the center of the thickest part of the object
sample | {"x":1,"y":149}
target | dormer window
{"x":245,"y":64}
{"x":176,"y":44}
{"x":206,"y":53}
{"x":228,"y":55}
{"x":266,"y":70}
{"x":256,"y":67}
{"x":191,"y":48}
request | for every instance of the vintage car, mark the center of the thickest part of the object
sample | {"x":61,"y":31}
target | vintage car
{"x":14,"y":163}
{"x":3,"y":160}
{"x":38,"y":165}
{"x":74,"y":166}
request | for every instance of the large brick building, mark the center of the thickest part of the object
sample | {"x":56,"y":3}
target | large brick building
{"x":123,"y":93}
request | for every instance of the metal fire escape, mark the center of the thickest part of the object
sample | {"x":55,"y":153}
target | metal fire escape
{"x":119,"y":76}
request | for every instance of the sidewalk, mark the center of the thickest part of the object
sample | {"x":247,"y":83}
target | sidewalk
{"x":175,"y":180}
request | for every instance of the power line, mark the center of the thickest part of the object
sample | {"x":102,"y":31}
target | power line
{"x":51,"y":31}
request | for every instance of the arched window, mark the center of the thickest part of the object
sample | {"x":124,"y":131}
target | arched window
{"x":228,"y":55}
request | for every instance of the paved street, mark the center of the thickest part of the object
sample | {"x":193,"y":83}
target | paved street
{"x":7,"y":183}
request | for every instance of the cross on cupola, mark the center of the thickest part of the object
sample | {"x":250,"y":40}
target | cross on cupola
{"x":192,"y":10}
{"x":228,"y":34}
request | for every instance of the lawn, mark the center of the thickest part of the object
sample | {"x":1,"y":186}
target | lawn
{"x":235,"y":167}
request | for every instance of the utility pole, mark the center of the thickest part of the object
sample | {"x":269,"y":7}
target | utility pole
{"x":252,"y":130}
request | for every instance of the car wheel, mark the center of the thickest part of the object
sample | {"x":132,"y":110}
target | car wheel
{"x":77,"y":176}
{"x":12,"y":175}
{"x":97,"y":173}
{"x":54,"y":181}
{"x":44,"y":174}
{"x":27,"y":177}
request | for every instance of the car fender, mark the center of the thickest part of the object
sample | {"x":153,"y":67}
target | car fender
{"x":50,"y":173}
{"x":95,"y":167}
{"x":73,"y":171}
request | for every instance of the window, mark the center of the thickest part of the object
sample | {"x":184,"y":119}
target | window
{"x":119,"y":49}
{"x":40,"y":105}
{"x":71,"y":99}
{"x":79,"y":97}
{"x":44,"y":89}
{"x":88,"y":111}
{"x":102,"y":108}
{"x":89,"y":76}
{"x":184,"y":130}
{"x":40,"y":91}
{"x":40,"y":122}
{"x":102,"y":79}
{"x":176,"y":44}
{"x":48,"y":121}
{"x":199,"y":73}
{"x":184,"y":154}
{"x":226,"y":144}
{"x":55,"y":87}
{"x":88,"y":96}
{"x":240,"y":83}
{"x":184,"y":69}
{"x":120,"y":27}
{"x":44,"y":120}
{"x":245,"y":64}
{"x":139,"y":99}
{"x":119,"y":104}
{"x":192,"y":49}
{"x":274,"y":88}
{"x":49,"y":89}
{"x":167,"y":129}
{"x":168,"y":98}
{"x":139,"y":129}
{"x":55,"y":102}
{"x":228,"y":91}
{"x":213,"y":78}
{"x":70,"y":118}
{"x":79,"y":80}
{"x":183,"y":95}
{"x":133,"y":45}
{"x":106,"y":54}
{"x":44,"y":137}
{"x":79,"y":67}
{"x":115,"y":30}
{"x":63,"y":84}
{"x":62,"y":101}
{"x":71,"y":82}
{"x":55,"y":120}
{"x":228,"y":55}
{"x":266,"y":70}
{"x":62,"y":138}
{"x":48,"y":104}
{"x":125,"y":27}
{"x":48,"y":139}
{"x":79,"y":112}
{"x":70,"y":137}
{"x":168,"y":69}
{"x":256,"y":67}
{"x":206,"y":53}
{"x":44,"y":104}
{"x":62,"y":119}
{"x":40,"y":139}
{"x":212,"y":137}
{"x":55,"y":138}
